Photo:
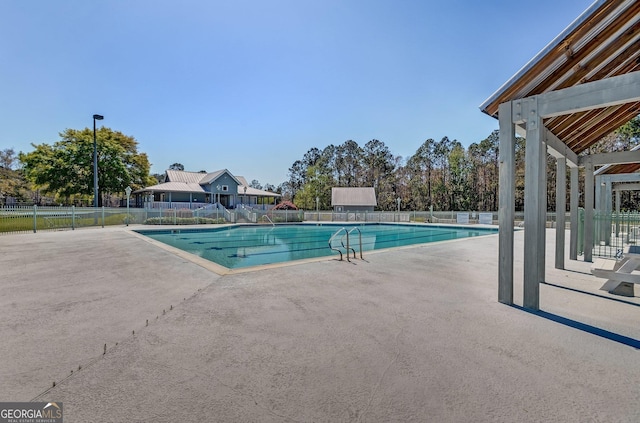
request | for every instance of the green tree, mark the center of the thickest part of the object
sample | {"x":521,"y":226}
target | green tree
{"x":66,"y":167}
{"x":14,"y":187}
{"x":459,"y":178}
{"x":348,"y":164}
{"x":8,"y":158}
{"x":420,"y":168}
{"x":318,"y":186}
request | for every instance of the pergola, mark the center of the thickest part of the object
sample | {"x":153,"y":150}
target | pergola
{"x":579,"y":88}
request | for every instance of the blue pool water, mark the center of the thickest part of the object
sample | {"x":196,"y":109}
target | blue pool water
{"x":245,"y":246}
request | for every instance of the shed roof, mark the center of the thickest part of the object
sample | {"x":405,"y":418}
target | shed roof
{"x":341,"y":196}
{"x":601,"y":43}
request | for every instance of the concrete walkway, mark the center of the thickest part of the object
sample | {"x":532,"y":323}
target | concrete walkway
{"x":413,"y":334}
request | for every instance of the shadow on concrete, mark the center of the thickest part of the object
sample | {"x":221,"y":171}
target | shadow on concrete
{"x":593,"y":294}
{"x":634,"y":343}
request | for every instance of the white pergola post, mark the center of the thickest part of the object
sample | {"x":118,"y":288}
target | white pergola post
{"x":608,"y":210}
{"x":534,"y":217}
{"x":573,"y":206}
{"x":561,"y":208}
{"x":531,"y":110}
{"x":506,"y":210}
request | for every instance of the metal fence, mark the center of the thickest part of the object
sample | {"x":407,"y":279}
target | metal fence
{"x":21,"y":219}
{"x":24,"y":219}
{"x":613,"y":233}
{"x":17,"y":219}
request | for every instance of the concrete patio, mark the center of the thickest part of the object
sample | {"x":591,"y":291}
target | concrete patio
{"x":412,"y":334}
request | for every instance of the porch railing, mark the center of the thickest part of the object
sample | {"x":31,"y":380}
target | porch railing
{"x":172,"y":205}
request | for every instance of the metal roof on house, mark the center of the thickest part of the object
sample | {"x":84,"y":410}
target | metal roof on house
{"x":184,"y":176}
{"x":183,"y":181}
{"x":342,"y":196}
{"x":175,"y":187}
{"x":210,"y":177}
{"x":601,"y":43}
{"x":255,"y":191}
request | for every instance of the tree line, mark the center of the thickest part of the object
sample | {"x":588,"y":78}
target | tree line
{"x":443,"y":174}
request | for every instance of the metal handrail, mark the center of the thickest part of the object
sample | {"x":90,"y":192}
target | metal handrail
{"x":267,"y":217}
{"x":336,"y":233}
{"x":348,"y":247}
{"x":359,"y":239}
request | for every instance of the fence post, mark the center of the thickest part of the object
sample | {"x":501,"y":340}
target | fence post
{"x":580,"y":231}
{"x":628,"y":226}
{"x":35,"y":218}
{"x":174,"y":216}
{"x":73,"y":218}
{"x":103,"y":216}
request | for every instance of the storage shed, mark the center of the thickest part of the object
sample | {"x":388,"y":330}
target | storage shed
{"x":353,"y":199}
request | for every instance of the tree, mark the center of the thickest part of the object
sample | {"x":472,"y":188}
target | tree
{"x":419,"y":176}
{"x":158,"y":178}
{"x":13,"y":187}
{"x":349,"y":164}
{"x":8,"y":158}
{"x":176,"y":166}
{"x":318,"y":186}
{"x":66,"y":167}
{"x":255,"y":184}
{"x":379,"y":165}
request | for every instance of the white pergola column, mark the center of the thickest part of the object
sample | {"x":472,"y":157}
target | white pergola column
{"x":573,"y":206}
{"x":535,"y":203}
{"x":607,"y":193}
{"x":561,"y":208}
{"x":588,"y":211}
{"x":506,"y":209}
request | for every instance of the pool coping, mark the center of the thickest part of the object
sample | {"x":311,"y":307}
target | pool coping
{"x":222,"y":270}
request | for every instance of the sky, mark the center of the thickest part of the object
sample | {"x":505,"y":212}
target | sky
{"x":252,"y":85}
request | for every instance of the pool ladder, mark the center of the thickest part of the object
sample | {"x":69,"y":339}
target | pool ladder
{"x":345,"y":234}
{"x":264,"y":216}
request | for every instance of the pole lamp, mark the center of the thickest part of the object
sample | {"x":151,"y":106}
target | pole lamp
{"x":128,"y":191}
{"x":95,"y":161}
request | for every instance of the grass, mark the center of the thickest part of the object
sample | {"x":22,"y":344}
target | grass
{"x":14,"y":223}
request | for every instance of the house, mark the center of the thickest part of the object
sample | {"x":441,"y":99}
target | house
{"x":182,"y":189}
{"x":353,"y":199}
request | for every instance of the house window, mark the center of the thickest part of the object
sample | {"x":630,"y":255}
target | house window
{"x":225,"y":188}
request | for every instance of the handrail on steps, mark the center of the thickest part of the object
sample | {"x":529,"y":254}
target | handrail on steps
{"x":267,"y":217}
{"x":331,"y":239}
{"x":347,"y":247}
{"x":355,"y":228}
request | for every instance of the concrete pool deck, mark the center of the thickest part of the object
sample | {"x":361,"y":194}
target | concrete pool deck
{"x":413,"y":334}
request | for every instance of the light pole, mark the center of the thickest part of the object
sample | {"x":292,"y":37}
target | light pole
{"x":128,"y":191}
{"x":245,"y":196}
{"x":95,"y":161}
{"x":398,"y":200}
{"x":318,"y":208}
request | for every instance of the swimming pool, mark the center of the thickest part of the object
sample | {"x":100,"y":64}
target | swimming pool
{"x":242,"y":246}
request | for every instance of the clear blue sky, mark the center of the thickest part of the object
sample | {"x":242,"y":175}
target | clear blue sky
{"x":251,"y":85}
